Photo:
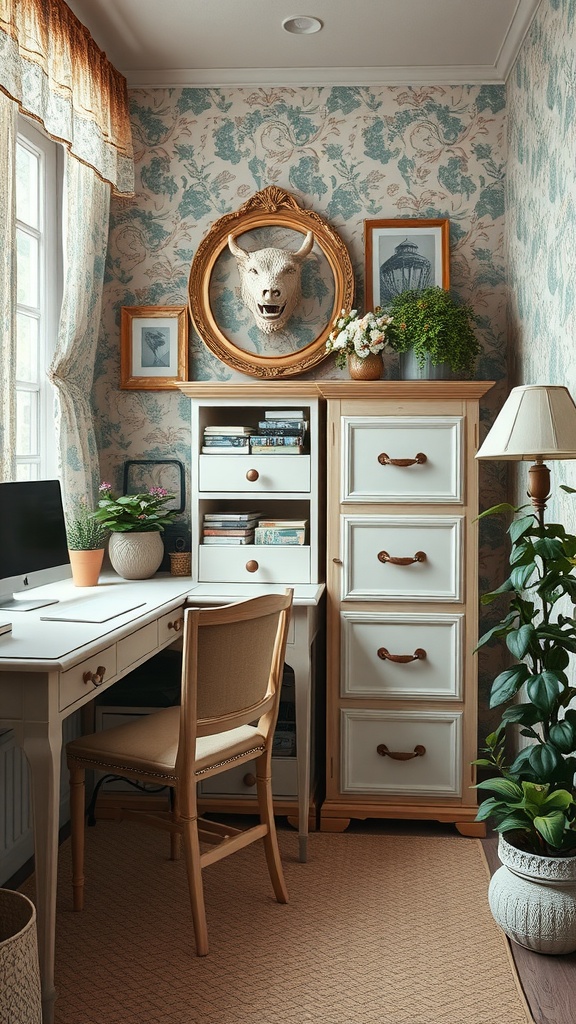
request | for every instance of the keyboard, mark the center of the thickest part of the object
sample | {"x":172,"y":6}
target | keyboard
{"x":89,"y":610}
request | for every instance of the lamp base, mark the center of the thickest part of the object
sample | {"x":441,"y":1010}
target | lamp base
{"x":539,"y":488}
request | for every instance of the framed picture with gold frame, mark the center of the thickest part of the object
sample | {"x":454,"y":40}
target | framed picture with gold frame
{"x":153,"y":347}
{"x":404,"y":253}
{"x":270,"y":219}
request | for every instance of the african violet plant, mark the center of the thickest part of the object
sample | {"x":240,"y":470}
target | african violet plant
{"x":534,"y":802}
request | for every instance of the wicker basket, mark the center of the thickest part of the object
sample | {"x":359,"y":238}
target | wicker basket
{"x":180,"y":563}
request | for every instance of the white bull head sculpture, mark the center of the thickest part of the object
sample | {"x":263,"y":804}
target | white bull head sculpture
{"x":270,"y":281}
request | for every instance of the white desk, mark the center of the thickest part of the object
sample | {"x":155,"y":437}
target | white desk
{"x":49,"y":670}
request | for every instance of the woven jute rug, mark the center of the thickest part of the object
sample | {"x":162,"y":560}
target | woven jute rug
{"x":379,"y":930}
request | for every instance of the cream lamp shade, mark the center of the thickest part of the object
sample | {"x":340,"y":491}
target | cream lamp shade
{"x":536,"y":422}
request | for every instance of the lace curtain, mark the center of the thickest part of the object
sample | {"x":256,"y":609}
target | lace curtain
{"x":8,"y":113}
{"x":51,"y":66}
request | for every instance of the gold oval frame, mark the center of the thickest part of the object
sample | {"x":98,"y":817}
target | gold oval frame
{"x":272,"y":206}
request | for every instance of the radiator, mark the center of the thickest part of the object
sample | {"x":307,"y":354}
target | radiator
{"x":16,"y":834}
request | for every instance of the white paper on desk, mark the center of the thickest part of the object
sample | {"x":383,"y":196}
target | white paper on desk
{"x":86,"y":613}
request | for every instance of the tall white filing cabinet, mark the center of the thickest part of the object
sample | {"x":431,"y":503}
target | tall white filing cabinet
{"x":402,"y":601}
{"x":278,"y":486}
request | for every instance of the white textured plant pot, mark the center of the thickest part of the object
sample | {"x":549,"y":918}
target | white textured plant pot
{"x":20,"y":996}
{"x":533,"y":899}
{"x":136,"y":556}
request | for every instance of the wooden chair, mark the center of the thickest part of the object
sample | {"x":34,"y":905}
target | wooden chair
{"x":232,"y":665}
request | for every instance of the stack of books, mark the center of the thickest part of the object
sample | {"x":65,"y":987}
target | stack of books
{"x":220,"y":440}
{"x":280,"y":531}
{"x":229,"y":527}
{"x":281,"y":432}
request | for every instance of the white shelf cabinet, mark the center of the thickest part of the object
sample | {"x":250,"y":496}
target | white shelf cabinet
{"x":280,"y":486}
{"x":402,"y":601}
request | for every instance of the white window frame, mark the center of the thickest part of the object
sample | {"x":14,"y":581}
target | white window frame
{"x":49,"y":235}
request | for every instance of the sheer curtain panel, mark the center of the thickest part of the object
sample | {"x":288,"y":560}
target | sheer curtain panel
{"x":8,"y":116}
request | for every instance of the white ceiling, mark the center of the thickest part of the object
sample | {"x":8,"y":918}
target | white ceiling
{"x":363,"y":42}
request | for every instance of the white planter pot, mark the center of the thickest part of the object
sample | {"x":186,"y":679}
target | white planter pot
{"x":533,"y":899}
{"x":411,"y":370}
{"x":20,"y":999}
{"x":136,"y":556}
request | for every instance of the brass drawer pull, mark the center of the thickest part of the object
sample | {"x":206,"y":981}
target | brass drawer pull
{"x":176,"y":625}
{"x":400,"y":755}
{"x":96,"y":677}
{"x":383,"y":556}
{"x":252,"y":475}
{"x":252,"y":565}
{"x":402,"y":659}
{"x":385,"y":460}
{"x":249,"y":779}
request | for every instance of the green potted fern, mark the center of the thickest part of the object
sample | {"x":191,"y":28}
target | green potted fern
{"x":433,"y":334}
{"x":532,"y":801}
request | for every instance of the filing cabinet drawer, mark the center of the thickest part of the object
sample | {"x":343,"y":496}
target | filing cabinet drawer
{"x":426,"y":749}
{"x":405,"y":558}
{"x":273,"y":473}
{"x":398,"y":656}
{"x":400,"y":459}
{"x":170,"y":626}
{"x":254,"y":563}
{"x":86,"y":677}
{"x":134,"y":648}
{"x":241,"y":781}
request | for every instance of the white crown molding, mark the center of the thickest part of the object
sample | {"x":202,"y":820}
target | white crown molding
{"x":519,"y":26}
{"x":291,"y":77}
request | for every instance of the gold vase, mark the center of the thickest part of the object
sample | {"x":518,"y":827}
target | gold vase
{"x":369,"y":368}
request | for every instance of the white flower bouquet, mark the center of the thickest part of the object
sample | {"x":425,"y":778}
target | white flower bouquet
{"x":364,"y":336}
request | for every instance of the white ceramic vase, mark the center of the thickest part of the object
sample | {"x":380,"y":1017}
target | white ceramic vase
{"x":533,"y":899}
{"x":136,"y":556}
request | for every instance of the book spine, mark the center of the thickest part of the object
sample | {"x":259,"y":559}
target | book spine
{"x":226,"y":540}
{"x":237,"y":517}
{"x":231,"y":524}
{"x":284,"y":414}
{"x":277,"y":439}
{"x":221,"y":440}
{"x":262,"y":535}
{"x":218,"y":532}
{"x":277,"y":449}
{"x":226,"y":449}
{"x":300,"y":426}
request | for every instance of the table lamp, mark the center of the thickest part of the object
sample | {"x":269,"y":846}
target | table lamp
{"x":536,"y":422}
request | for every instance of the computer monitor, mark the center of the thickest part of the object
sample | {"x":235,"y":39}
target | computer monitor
{"x":33,"y":545}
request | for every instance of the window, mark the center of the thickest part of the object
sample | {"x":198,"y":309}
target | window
{"x":38,"y":295}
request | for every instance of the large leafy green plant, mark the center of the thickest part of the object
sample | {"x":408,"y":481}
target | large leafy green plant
{"x":534,"y":796}
{"x":434,"y":325}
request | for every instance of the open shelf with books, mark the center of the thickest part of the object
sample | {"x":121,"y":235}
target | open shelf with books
{"x":257,"y":518}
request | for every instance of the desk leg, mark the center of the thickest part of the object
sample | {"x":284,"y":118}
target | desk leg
{"x":300,"y":660}
{"x":42,"y":745}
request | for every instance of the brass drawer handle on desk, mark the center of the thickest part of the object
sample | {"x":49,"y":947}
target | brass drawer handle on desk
{"x":252,"y":475}
{"x":385,"y":460}
{"x":383,"y":556}
{"x":176,"y":625}
{"x":400,"y":755}
{"x":249,"y":779}
{"x":402,"y":659}
{"x":96,"y":677}
{"x":252,"y":565}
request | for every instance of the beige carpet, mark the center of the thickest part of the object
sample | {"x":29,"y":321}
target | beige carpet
{"x":379,"y":930}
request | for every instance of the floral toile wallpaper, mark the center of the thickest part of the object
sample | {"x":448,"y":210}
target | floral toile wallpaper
{"x":541,"y":220}
{"x":349,"y":154}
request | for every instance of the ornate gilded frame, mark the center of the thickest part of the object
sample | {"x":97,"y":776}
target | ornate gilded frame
{"x":269,"y":208}
{"x":138,"y":373}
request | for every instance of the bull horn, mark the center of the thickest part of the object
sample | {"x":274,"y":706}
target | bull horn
{"x":236,"y":249}
{"x":306,"y":246}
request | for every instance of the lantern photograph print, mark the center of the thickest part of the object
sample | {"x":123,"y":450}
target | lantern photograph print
{"x":401,"y":254}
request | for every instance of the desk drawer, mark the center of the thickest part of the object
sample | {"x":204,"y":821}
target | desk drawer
{"x":376,"y":446}
{"x":274,"y":473}
{"x":74,"y":685}
{"x":134,"y":648}
{"x":241,"y":781}
{"x":275,"y":564}
{"x":434,"y":772}
{"x":405,"y":558}
{"x":170,"y":626}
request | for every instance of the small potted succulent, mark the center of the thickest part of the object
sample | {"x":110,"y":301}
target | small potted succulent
{"x":533,"y":794}
{"x":433,"y":334}
{"x":86,"y":543}
{"x":135,"y":522}
{"x":357,"y":342}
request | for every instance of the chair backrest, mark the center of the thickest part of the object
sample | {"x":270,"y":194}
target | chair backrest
{"x":232,"y":666}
